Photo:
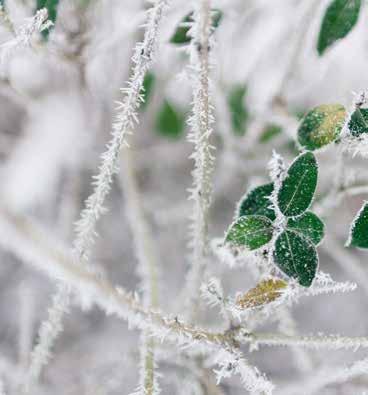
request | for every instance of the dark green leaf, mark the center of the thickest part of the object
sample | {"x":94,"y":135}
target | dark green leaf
{"x":321,"y":126}
{"x":340,"y":17}
{"x":238,"y":112}
{"x":170,"y":121}
{"x":359,"y":229}
{"x":250,"y":231}
{"x":269,"y":133}
{"x":51,"y":6}
{"x":257,"y":202}
{"x":148,"y":83}
{"x":297,"y":189}
{"x":359,"y":122}
{"x":181,"y":33}
{"x":296,"y":256}
{"x":309,"y":226}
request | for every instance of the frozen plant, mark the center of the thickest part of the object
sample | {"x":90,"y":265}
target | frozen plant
{"x":244,"y":121}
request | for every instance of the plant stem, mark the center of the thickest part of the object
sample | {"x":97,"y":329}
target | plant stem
{"x":201,"y":130}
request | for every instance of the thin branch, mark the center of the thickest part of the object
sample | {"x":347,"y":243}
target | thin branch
{"x":147,"y":268}
{"x":201,"y":130}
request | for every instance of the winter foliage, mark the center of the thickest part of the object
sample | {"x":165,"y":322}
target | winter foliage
{"x":182,"y":201}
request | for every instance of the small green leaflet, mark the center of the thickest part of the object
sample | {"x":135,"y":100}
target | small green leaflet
{"x":269,"y":132}
{"x":296,"y":257}
{"x":181,"y":33}
{"x":148,"y":83}
{"x":321,"y":126}
{"x":359,"y":229}
{"x":340,"y":17}
{"x":170,"y":121}
{"x":309,"y":226}
{"x":238,"y":112}
{"x":250,"y":231}
{"x":51,"y":6}
{"x":257,"y":202}
{"x":298,"y":187}
{"x":359,"y":122}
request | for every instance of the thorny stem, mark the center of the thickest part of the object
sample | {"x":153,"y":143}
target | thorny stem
{"x":203,"y":167}
{"x":144,"y":248}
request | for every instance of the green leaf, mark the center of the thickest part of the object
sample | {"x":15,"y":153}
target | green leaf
{"x":148,"y":83}
{"x":321,"y":126}
{"x":296,"y":257}
{"x":309,"y":226}
{"x":180,"y":35}
{"x":340,"y":17}
{"x":269,"y":132}
{"x":51,"y":6}
{"x":359,"y":229}
{"x":250,"y":231}
{"x":297,"y":189}
{"x":263,"y":293}
{"x":170,"y":121}
{"x":257,"y":202}
{"x":359,"y":122}
{"x":238,"y":112}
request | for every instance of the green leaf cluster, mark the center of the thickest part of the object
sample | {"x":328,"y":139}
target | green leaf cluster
{"x":294,"y":249}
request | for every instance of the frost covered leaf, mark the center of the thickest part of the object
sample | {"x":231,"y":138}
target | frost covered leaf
{"x":309,"y":226}
{"x":170,"y":122}
{"x":181,"y":33}
{"x":296,"y":256}
{"x":51,"y":6}
{"x":238,"y":112}
{"x":250,"y":231}
{"x":359,"y":229}
{"x":265,"y":292}
{"x":148,"y":83}
{"x":257,"y":202}
{"x":359,"y":122}
{"x":321,"y":126}
{"x":297,"y":189}
{"x":340,"y":17}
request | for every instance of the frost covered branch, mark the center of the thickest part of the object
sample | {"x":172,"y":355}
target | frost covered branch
{"x":200,"y":123}
{"x":126,"y":119}
{"x":147,"y":268}
{"x":23,"y":35}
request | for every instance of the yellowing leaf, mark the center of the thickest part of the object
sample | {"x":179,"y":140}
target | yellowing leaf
{"x":263,"y":293}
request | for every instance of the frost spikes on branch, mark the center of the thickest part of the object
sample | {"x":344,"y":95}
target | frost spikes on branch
{"x":233,"y":363}
{"x":123,"y":125}
{"x":23,"y":36}
{"x":49,"y":331}
{"x":200,"y":123}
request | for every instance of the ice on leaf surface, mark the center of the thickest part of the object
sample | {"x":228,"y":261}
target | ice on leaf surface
{"x":359,"y":122}
{"x":250,"y":231}
{"x":297,"y":189}
{"x":359,"y":229}
{"x":257,"y":201}
{"x":309,"y":226}
{"x":296,"y":256}
{"x":263,"y":293}
{"x":321,"y":126}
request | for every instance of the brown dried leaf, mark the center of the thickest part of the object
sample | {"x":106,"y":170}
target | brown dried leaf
{"x":265,"y":292}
